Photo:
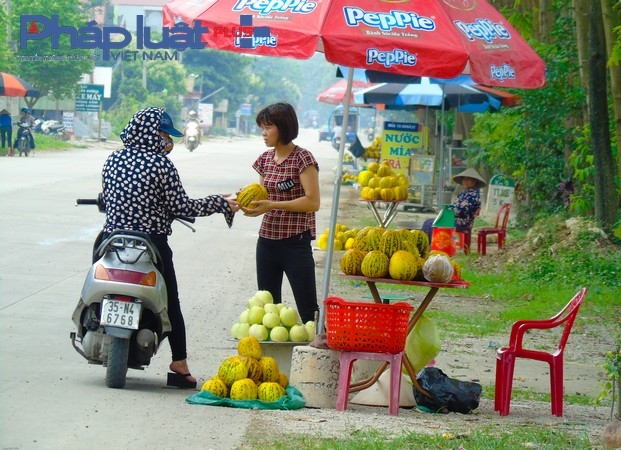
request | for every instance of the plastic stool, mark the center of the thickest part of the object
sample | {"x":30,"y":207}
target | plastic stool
{"x":347,"y":360}
{"x":464,"y":239}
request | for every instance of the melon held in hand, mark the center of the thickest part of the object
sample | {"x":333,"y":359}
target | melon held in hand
{"x":250,"y":193}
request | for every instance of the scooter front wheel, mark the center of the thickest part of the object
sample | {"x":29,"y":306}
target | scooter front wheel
{"x":22,"y":147}
{"x":116,"y":366}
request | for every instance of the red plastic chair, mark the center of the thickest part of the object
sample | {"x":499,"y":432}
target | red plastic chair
{"x":501,"y":219}
{"x":465,"y":237}
{"x":505,"y":358}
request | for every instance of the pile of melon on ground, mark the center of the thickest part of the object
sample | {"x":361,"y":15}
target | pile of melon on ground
{"x":269,"y":321}
{"x":248,"y":375}
{"x":343,"y":237}
{"x":400,"y":254}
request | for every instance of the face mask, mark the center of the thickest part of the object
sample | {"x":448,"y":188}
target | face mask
{"x":168,"y":144}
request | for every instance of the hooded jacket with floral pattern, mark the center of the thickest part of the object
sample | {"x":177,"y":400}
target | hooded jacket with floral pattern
{"x":141,"y":186}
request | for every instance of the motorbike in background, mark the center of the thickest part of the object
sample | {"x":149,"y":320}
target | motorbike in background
{"x":121,"y":317}
{"x":191,"y":134}
{"x":350,"y":138}
{"x":54,"y":128}
{"x":24,"y":135}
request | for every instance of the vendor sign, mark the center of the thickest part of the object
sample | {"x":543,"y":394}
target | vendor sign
{"x":399,"y":141}
{"x":205,"y":114}
{"x":422,"y":169}
{"x":500,"y":191}
{"x":89,"y":97}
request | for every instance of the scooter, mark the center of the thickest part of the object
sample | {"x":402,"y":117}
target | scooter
{"x":350,"y":138}
{"x":122,"y":318}
{"x":54,"y":128}
{"x":191,"y":135}
{"x":23,"y":138}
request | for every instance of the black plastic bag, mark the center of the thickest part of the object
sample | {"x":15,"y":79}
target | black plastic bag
{"x":356,"y":148}
{"x":447,"y":393}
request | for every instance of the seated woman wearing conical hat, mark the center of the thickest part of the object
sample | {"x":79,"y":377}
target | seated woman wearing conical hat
{"x":468,"y":202}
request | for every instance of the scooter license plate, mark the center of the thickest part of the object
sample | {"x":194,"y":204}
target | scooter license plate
{"x":122,"y":314}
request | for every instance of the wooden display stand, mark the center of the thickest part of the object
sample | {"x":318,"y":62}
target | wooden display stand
{"x":433,"y":290}
{"x":383,"y":220}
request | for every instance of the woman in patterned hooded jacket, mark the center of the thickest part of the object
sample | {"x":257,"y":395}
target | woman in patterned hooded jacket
{"x":143,"y":192}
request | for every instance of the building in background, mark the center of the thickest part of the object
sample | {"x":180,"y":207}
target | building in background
{"x":123,"y":13}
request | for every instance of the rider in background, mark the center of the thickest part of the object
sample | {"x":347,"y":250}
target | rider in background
{"x":192,"y":123}
{"x":27,"y":118}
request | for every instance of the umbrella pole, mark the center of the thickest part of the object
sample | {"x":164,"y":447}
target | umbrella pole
{"x":335,"y":205}
{"x":439,"y":200}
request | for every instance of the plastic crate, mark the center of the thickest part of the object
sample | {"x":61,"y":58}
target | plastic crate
{"x":365,"y":326}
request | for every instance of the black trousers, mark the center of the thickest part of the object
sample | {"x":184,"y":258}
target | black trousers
{"x":294,"y":257}
{"x":177,"y":337}
{"x":6,"y":133}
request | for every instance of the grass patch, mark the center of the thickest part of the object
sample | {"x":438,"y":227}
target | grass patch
{"x":44,"y":143}
{"x":530,"y":395}
{"x":536,"y":274}
{"x":48,"y":143}
{"x":487,"y":438}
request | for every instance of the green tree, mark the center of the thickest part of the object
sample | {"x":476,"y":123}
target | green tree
{"x":7,"y":59}
{"x":531,"y":142}
{"x":276,"y":80}
{"x":224,"y":72}
{"x":317,"y":75}
{"x":54,"y":71}
{"x":545,"y":141}
{"x":606,"y":196}
{"x":165,"y":83}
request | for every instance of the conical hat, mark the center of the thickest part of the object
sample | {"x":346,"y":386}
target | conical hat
{"x":4,"y":112}
{"x":470,"y":173}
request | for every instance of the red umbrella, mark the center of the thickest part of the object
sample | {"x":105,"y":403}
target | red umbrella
{"x":14,"y":86}
{"x":507,"y":98}
{"x":433,"y":38}
{"x":335,"y":94}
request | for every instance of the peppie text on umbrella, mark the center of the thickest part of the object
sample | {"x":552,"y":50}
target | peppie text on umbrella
{"x":112,"y":40}
{"x":483,"y":29}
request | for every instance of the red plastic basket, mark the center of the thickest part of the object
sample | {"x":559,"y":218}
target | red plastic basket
{"x":365,"y":326}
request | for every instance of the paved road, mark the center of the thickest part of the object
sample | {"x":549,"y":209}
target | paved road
{"x":49,"y":396}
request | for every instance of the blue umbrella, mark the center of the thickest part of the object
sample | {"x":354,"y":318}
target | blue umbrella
{"x":457,"y":93}
{"x":462,"y":97}
{"x":399,"y":94}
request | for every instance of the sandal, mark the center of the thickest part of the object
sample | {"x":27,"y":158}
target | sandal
{"x":180,"y":380}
